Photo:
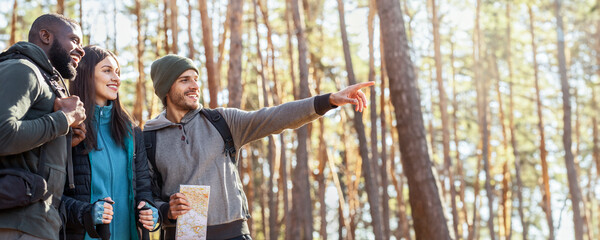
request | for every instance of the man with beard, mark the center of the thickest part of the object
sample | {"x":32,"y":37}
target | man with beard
{"x":34,"y":121}
{"x":185,"y":146}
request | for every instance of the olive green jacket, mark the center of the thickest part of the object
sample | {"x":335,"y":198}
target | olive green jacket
{"x":27,"y":122}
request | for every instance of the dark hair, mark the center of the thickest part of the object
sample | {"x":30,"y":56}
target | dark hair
{"x":84,"y":87}
{"x":48,"y":21}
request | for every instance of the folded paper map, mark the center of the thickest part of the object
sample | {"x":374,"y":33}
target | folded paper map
{"x":192,"y":225}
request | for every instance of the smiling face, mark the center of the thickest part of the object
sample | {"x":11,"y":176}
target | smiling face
{"x":107,"y":80}
{"x":184,"y":93}
{"x":66,"y":51}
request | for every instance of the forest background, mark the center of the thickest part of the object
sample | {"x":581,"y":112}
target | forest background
{"x":488,"y":131}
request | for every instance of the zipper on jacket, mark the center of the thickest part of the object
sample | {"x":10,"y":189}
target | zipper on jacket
{"x":109,"y":158}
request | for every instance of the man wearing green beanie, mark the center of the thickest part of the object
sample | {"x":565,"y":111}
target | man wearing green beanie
{"x":186,"y":148}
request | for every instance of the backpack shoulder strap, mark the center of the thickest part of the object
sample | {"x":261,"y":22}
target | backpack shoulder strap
{"x":150,"y":142}
{"x":219,"y":123}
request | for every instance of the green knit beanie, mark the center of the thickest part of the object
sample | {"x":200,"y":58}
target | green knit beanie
{"x":165,"y":71}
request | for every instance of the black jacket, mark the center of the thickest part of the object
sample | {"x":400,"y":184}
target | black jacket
{"x":77,"y":201}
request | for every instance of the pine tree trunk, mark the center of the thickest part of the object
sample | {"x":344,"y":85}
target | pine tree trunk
{"x":166,"y":25}
{"x":189,"y":31}
{"x":320,"y":178}
{"x":283,"y":172}
{"x":276,"y":85}
{"x":140,"y":89}
{"x":507,"y":185}
{"x":596,"y":148}
{"x":482,"y":113}
{"x":426,"y":207}
{"x":114,"y":42}
{"x":208,"y":54}
{"x":273,"y":229}
{"x":234,"y":74}
{"x":444,"y":113}
{"x":85,"y":39}
{"x":385,"y":197}
{"x":302,"y":225}
{"x":403,"y":230}
{"x":574,"y":190}
{"x":367,"y":164}
{"x":596,"y":141}
{"x":221,"y":49}
{"x":290,"y":46}
{"x":174,"y":26}
{"x":505,"y":204}
{"x":13,"y":24}
{"x":249,"y":187}
{"x":60,"y":7}
{"x":459,"y":167}
{"x":547,"y":196}
{"x":513,"y":140}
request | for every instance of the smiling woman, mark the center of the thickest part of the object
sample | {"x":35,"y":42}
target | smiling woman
{"x":107,"y":80}
{"x":110,"y":164}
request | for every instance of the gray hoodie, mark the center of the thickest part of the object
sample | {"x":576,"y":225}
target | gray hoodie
{"x":191,"y":152}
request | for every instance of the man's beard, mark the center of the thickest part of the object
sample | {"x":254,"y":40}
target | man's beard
{"x":61,"y":60}
{"x":180,"y":101}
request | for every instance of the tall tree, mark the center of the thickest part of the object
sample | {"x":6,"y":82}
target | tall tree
{"x":459,"y":167}
{"x":596,"y":141}
{"x":444,"y":112}
{"x":482,"y":113}
{"x":85,"y":39}
{"x":506,"y":182}
{"x":276,"y":85}
{"x":221,"y":48}
{"x":140,"y":89}
{"x":302,"y":225}
{"x":114,"y":32}
{"x":367,"y":164}
{"x":513,"y":139}
{"x":505,"y":202}
{"x":166,"y":25}
{"x":547,"y":196}
{"x":290,"y":46}
{"x":13,"y":24}
{"x":174,"y":26}
{"x":271,"y":141}
{"x":284,"y":171}
{"x":385,"y":198}
{"x":191,"y":49}
{"x":60,"y":7}
{"x":208,"y":54}
{"x":234,"y":74}
{"x":566,"y":97}
{"x":426,"y":207}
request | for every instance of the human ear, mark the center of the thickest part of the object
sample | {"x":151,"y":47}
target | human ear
{"x":46,"y":37}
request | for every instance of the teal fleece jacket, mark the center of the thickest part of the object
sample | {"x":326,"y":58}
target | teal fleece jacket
{"x":27,"y":121}
{"x":112,"y":175}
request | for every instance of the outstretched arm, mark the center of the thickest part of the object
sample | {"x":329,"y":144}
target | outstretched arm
{"x":249,"y":126}
{"x":351,"y":95}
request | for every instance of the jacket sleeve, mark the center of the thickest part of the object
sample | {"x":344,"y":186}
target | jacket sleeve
{"x":21,"y":89}
{"x":246,"y":126}
{"x":143,"y":181}
{"x":79,"y":215}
